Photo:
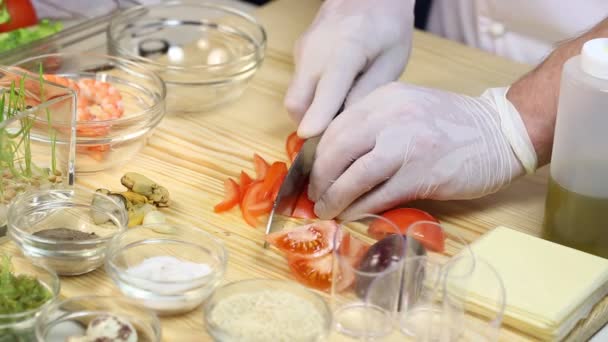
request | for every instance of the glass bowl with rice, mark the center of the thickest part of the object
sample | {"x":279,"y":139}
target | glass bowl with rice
{"x":25,"y":290}
{"x":258,"y":310}
{"x":66,"y":230}
{"x":118,"y":105}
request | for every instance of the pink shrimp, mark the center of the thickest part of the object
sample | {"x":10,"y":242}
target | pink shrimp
{"x":98,"y":101}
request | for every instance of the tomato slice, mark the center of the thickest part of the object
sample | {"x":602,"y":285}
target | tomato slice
{"x":275,"y":174}
{"x":313,"y":239}
{"x":261,"y":166}
{"x":305,"y":208}
{"x":244,"y":183}
{"x":22,"y":14}
{"x":231,"y":196}
{"x":430,"y":235}
{"x":293,"y":145}
{"x":317,"y":272}
{"x":251,"y":200}
{"x":277,"y":187}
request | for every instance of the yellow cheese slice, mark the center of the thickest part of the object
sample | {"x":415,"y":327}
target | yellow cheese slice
{"x":549,"y":287}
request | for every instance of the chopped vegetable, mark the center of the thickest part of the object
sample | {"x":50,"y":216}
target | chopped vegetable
{"x":250,"y":205}
{"x":261,"y":166}
{"x":274,"y":176}
{"x":305,"y":208}
{"x":231,"y":198}
{"x":429,"y":234}
{"x":310,"y":240}
{"x":293,"y":145}
{"x":244,"y":183}
{"x":143,"y":185}
{"x":13,"y":39}
{"x":19,"y":293}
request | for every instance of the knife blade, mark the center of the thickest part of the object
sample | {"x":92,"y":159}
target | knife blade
{"x":292,"y":186}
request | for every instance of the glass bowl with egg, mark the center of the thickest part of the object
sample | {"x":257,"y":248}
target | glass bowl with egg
{"x":206,"y":53}
{"x":267,"y":310}
{"x":66,"y":230}
{"x":97,"y":318}
{"x":166,"y":268}
{"x":119,"y":104}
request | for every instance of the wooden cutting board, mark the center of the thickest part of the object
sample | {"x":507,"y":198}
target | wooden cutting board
{"x":192,"y":154}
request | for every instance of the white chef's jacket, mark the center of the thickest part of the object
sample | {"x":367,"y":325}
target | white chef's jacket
{"x":523,"y":30}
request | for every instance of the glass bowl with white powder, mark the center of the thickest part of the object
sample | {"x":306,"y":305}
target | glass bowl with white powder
{"x":260,"y":310}
{"x":168,"y":269}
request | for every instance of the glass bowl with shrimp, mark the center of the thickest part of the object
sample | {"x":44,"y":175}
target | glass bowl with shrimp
{"x":119,"y":103}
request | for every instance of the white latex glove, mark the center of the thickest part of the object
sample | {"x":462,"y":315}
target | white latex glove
{"x":366,"y":40}
{"x":404,"y":142}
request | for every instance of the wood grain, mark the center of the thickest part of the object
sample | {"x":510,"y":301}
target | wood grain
{"x":192,"y":154}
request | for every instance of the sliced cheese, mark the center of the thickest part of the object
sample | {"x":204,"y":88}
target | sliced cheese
{"x":549,"y":287}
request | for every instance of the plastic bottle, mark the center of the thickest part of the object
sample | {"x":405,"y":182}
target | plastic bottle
{"x":576,"y":211}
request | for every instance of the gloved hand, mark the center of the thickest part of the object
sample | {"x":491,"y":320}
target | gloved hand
{"x":404,"y":142}
{"x":348,"y":38}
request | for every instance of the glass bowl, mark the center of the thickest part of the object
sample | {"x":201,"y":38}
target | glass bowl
{"x":36,"y":214}
{"x":205,"y":53}
{"x":116,"y":114}
{"x":244,"y":311}
{"x":20,"y":326}
{"x":133,"y":253}
{"x":71,"y":317}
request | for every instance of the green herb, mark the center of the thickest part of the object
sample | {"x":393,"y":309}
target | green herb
{"x":20,"y":293}
{"x":5,"y":17}
{"x":25,"y":35}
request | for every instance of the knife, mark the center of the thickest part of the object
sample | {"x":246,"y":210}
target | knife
{"x":293,"y":185}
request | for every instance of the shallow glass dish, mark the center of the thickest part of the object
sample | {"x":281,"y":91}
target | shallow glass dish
{"x":205,"y":53}
{"x":166,"y":295}
{"x":35,"y":212}
{"x":70,"y":317}
{"x":110,"y":130}
{"x":20,"y":326}
{"x":231,"y":313}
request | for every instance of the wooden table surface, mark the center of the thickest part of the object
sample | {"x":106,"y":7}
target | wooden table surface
{"x":192,"y":154}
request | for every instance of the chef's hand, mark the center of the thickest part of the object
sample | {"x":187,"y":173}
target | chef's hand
{"x":404,"y":142}
{"x":349,"y":39}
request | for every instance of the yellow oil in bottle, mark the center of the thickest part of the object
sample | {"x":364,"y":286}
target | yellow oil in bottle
{"x":576,"y":220}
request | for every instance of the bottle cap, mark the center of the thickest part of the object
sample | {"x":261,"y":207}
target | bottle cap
{"x":594,"y":58}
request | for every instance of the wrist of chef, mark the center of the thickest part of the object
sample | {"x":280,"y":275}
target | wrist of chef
{"x":513,"y":128}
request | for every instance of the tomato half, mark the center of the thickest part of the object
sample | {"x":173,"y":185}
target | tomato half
{"x":22,"y":14}
{"x":231,"y":196}
{"x":305,"y":208}
{"x":309,"y":240}
{"x":261,"y":166}
{"x":317,"y":272}
{"x":430,"y":235}
{"x":274,"y":176}
{"x":293,"y":145}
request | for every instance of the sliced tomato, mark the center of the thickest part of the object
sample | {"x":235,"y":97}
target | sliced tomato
{"x":261,"y":166}
{"x":305,"y":208}
{"x":293,"y":145}
{"x":231,"y":196}
{"x":317,"y":272}
{"x":430,"y":235}
{"x":277,"y":187}
{"x":22,"y":14}
{"x":313,"y":239}
{"x":251,"y":200}
{"x":275,"y":175}
{"x":260,"y":208}
{"x":244,"y":183}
